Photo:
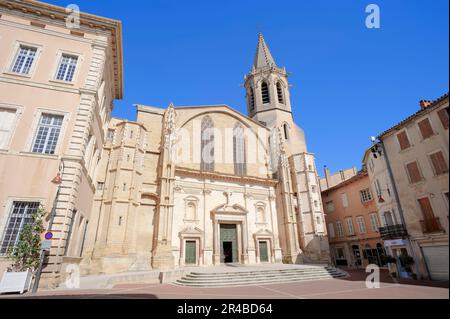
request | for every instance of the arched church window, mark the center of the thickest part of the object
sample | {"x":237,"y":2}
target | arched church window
{"x":207,"y":145}
{"x":280,"y":93}
{"x":251,"y":99}
{"x":286,"y":131}
{"x":240,"y":165}
{"x":265,"y":93}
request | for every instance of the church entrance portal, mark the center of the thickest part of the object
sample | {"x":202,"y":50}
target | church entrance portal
{"x":228,"y":243}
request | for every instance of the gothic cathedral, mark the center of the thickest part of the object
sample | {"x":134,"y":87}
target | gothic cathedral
{"x":207,"y":185}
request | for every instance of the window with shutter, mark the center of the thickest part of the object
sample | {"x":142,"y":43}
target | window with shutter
{"x":425,"y":128}
{"x":439,"y":163}
{"x":344,"y":199}
{"x":361,"y":224}
{"x":413,"y":172}
{"x":350,"y":229}
{"x":331,"y":230}
{"x":403,"y":140}
{"x":425,"y":207}
{"x":340,"y":229}
{"x":374,"y":222}
{"x":7,"y":117}
{"x":443,"y":116}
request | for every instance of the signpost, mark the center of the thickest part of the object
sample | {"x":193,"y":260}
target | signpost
{"x":46,"y":245}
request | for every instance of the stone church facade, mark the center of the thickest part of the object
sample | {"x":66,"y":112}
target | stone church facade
{"x":206,"y":185}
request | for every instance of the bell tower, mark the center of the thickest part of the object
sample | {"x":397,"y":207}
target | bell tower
{"x":266,"y":86}
{"x":268,"y":97}
{"x":300,"y":212}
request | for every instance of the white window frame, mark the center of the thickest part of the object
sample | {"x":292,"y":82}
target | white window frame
{"x":31,"y":137}
{"x":340,"y":228}
{"x":366,"y":190}
{"x":350,"y":226}
{"x":55,"y":69}
{"x":361,"y":224}
{"x":8,"y":209}
{"x":19,"y":111}
{"x":374,"y":222}
{"x":13,"y":56}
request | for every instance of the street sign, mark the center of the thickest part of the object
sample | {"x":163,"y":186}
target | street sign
{"x":48,"y":235}
{"x":395,"y":242}
{"x":46,"y":244}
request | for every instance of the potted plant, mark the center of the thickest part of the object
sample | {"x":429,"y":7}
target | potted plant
{"x":25,"y":256}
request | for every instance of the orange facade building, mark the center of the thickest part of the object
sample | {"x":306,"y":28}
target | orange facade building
{"x":353,"y":223}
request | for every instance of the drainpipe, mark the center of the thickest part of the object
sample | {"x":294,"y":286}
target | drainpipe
{"x":399,"y":206}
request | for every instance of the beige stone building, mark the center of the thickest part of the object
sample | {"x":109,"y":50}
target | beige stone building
{"x":197,"y":185}
{"x":205,"y":185}
{"x":57,"y":86}
{"x":416,"y":150}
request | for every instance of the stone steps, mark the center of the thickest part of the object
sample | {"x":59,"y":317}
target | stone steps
{"x":256,"y":274}
{"x":260,"y":277}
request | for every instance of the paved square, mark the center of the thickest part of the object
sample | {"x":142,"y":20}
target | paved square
{"x":344,"y":288}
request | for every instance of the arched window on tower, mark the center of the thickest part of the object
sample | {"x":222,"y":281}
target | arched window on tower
{"x":265,"y":93}
{"x":251,"y":99}
{"x":280,"y":93}
{"x":240,"y":166}
{"x":286,"y":131}
{"x":207,"y":149}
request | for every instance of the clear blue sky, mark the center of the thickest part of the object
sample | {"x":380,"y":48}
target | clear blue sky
{"x":348,"y":82}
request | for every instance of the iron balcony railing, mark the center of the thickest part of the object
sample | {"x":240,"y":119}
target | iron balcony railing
{"x":431,"y":225}
{"x":393,"y":232}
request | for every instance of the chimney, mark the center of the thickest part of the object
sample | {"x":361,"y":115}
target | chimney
{"x":425,"y":103}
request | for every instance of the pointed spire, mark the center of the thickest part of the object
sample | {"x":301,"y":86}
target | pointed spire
{"x":263,"y":57}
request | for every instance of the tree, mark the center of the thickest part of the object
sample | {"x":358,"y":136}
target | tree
{"x":26,"y":254}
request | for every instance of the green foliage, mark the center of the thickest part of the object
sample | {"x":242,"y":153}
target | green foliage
{"x":26,"y":254}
